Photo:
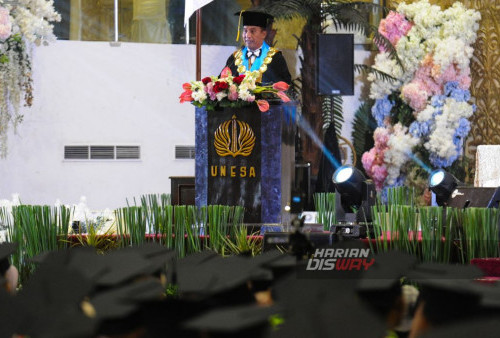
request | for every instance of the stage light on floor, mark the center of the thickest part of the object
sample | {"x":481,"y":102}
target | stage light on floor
{"x":355,"y":196}
{"x":348,"y":182}
{"x":442,"y":184}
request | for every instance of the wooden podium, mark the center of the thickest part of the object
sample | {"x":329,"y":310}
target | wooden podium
{"x":246,"y":157}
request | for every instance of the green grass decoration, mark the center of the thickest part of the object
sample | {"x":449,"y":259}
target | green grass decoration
{"x":437,"y":236}
{"x":479,"y":235}
{"x":324,"y":203}
{"x":400,"y":196}
{"x":377,"y":242}
{"x":180,"y":230}
{"x":154,"y":206}
{"x":218,"y":218}
{"x":406,"y":229}
{"x":131,"y":225}
{"x":221,"y":223}
{"x":36,"y":229}
{"x":193,"y":226}
{"x":166,"y":226}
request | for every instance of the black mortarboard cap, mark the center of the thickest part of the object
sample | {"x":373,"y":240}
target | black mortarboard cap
{"x":118,"y":309}
{"x":122,"y":266}
{"x":55,"y":284}
{"x":6,"y":249}
{"x":158,"y":256}
{"x":380,"y":285}
{"x":121,"y":301}
{"x":216,"y":275}
{"x":233,"y":320}
{"x":85,"y":260}
{"x":324,"y":308}
{"x":255,"y":18}
{"x":48,"y":305}
{"x":447,"y":291}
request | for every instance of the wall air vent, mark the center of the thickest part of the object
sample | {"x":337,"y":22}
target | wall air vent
{"x":76,"y":152}
{"x":128,"y":152}
{"x":184,"y":152}
{"x":102,"y":152}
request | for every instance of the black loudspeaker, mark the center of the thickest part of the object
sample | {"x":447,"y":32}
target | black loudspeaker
{"x":474,"y":197}
{"x":301,"y":190}
{"x":335,"y":64}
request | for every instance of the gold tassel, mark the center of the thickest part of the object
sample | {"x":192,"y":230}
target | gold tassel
{"x":239,"y":25}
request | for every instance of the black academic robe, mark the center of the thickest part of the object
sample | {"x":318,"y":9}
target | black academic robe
{"x":276,"y":71}
{"x":324,"y":182}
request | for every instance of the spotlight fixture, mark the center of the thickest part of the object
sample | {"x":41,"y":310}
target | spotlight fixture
{"x":349,"y":183}
{"x":442,"y":184}
{"x":450,"y":192}
{"x":355,"y":196}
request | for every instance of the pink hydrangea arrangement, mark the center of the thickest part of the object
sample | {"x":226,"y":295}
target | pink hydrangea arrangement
{"x":373,"y":160}
{"x":393,"y":27}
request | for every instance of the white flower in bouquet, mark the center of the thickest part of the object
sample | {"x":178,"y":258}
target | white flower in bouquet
{"x":249,"y":82}
{"x":461,"y":23}
{"x":426,"y":114}
{"x":33,"y":18}
{"x":422,"y":13}
{"x":445,"y":125}
{"x":453,"y":51}
{"x":379,"y":87}
{"x":400,"y":146}
{"x":220,"y":96}
{"x":410,"y":52}
{"x":199,"y":96}
{"x":245,"y":95}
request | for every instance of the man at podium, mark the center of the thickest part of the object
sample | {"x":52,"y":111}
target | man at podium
{"x":256,"y":54}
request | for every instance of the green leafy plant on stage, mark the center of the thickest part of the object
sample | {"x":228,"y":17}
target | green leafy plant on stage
{"x":324,"y":204}
{"x":331,"y":109}
{"x":101,"y":241}
{"x":363,"y":126}
{"x":242,"y":243}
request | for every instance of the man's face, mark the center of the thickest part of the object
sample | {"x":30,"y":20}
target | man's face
{"x":254,"y":36}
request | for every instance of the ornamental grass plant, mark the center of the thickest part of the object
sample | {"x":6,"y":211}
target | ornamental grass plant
{"x":477,"y":230}
{"x":36,"y":229}
{"x":324,"y":204}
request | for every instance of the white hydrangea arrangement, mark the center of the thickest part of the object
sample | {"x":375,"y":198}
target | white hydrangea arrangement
{"x":22,"y":24}
{"x":425,"y":112}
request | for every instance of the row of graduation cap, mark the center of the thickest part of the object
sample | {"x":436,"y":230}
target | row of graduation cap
{"x":78,"y":293}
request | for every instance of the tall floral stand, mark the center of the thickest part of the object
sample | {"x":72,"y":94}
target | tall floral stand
{"x":246,"y":157}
